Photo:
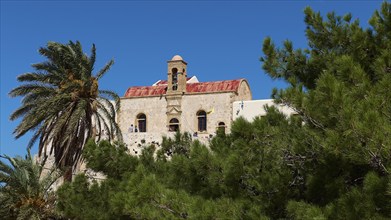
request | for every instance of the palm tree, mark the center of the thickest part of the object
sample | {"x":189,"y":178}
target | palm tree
{"x":25,"y":190}
{"x":63,"y":105}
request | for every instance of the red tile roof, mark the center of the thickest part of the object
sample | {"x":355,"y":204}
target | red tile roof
{"x":201,"y":87}
{"x":143,"y":91}
{"x":218,"y":86}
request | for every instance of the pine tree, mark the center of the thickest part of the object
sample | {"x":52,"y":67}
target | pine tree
{"x":330,"y":161}
{"x":340,"y":87}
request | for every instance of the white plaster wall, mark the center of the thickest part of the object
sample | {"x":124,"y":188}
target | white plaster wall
{"x":255,"y":108}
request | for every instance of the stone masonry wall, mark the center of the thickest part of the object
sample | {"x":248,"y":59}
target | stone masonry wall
{"x":216,"y":105}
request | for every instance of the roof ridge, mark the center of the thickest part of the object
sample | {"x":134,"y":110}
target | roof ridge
{"x":191,"y":88}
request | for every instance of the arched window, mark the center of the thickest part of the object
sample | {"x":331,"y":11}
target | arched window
{"x":142,"y":122}
{"x":174,"y":125}
{"x":174,"y":78}
{"x":221,"y":127}
{"x":201,"y":117}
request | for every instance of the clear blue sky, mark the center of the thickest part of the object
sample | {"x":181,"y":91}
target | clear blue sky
{"x":219,"y":40}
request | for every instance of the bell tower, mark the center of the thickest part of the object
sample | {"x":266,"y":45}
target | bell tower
{"x":176,"y":87}
{"x":177,"y":74}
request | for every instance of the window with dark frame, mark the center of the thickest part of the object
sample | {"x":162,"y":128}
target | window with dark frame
{"x":142,"y":123}
{"x":221,"y":127}
{"x":201,"y":117}
{"x":173,"y":125}
{"x":174,"y":79}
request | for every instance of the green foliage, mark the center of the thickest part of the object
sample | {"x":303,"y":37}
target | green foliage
{"x":25,"y":189}
{"x":83,"y":199}
{"x":330,"y":161}
{"x":366,"y":202}
{"x":338,"y":87}
{"x":177,"y":146}
{"x":113,"y":161}
{"x":62,"y":103}
{"x":191,"y":186}
{"x":304,"y":211}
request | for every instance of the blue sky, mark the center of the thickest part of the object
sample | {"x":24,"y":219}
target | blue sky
{"x":219,"y":40}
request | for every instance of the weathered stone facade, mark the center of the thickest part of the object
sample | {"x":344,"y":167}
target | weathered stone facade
{"x":199,"y":108}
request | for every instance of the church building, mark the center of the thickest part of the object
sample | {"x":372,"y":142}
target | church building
{"x":179,"y":102}
{"x":182,"y":103}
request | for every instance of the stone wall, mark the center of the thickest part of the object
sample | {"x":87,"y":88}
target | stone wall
{"x":153,"y":107}
{"x":218,"y":107}
{"x":244,"y":92}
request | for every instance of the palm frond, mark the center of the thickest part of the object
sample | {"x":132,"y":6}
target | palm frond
{"x":34,"y":138}
{"x":98,"y":125}
{"x":25,"y":192}
{"x":38,"y":97}
{"x":30,"y":77}
{"x":106,"y":68}
{"x":108,"y":105}
{"x":47,"y":67}
{"x":36,"y":116}
{"x":92,"y":57}
{"x":60,"y":101}
{"x":21,"y":111}
{"x":114,"y":96}
{"x":118,"y":132}
{"x":4,"y":168}
{"x":30,"y":88}
{"x":105,"y":125}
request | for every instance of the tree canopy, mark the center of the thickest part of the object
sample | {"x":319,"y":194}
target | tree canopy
{"x":26,"y":189}
{"x":62,"y":104}
{"x":330,"y":161}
